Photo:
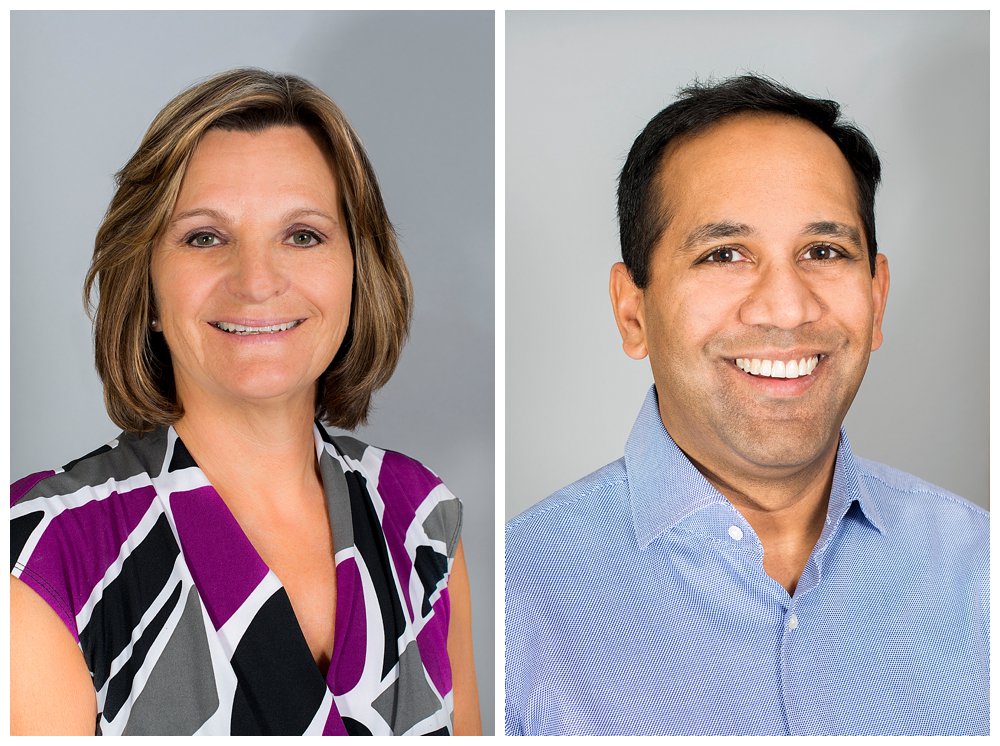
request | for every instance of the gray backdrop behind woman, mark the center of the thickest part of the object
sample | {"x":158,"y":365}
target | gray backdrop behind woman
{"x":581,"y":86}
{"x":418,"y":87}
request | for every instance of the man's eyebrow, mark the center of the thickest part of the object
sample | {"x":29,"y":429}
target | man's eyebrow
{"x":714,"y":231}
{"x":833,"y":229}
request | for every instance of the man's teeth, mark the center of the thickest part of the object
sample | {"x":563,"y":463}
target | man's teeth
{"x":244,"y":330}
{"x":778,"y":368}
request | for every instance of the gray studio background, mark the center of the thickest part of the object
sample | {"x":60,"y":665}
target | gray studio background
{"x":579,"y":89}
{"x":418,"y":88}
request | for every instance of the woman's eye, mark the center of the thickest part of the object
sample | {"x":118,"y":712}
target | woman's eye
{"x":725,"y":255}
{"x":203,"y":240}
{"x":823,"y":252}
{"x":304,"y":238}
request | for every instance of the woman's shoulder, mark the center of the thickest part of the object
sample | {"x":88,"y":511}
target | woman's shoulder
{"x":384,"y":466}
{"x":122,"y":464}
{"x":72,"y":514}
{"x":68,"y":525}
{"x":407,"y":488}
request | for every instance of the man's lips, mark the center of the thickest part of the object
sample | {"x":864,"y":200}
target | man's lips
{"x":779,"y":367}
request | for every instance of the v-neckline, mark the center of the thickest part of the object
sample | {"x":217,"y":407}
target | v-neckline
{"x":344,"y":603}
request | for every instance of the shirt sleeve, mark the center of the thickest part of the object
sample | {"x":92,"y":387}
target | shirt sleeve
{"x":37,"y":551}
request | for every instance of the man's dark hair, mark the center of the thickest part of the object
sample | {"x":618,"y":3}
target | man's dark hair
{"x":641,"y":216}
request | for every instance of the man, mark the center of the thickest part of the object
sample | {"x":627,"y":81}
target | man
{"x":740,"y":571}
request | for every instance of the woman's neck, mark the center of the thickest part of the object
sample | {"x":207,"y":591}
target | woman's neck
{"x":259,"y":456}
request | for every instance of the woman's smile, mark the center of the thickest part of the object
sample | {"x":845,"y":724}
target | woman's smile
{"x":254,"y":328}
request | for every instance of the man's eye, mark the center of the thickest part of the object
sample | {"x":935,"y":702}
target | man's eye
{"x":304,"y":239}
{"x":823,"y":252}
{"x":724,"y":255}
{"x":202,"y":240}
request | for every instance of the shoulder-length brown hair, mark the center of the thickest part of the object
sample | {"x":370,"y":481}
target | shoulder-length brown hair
{"x":133,"y":363}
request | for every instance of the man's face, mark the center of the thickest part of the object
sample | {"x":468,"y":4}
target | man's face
{"x":764,"y":259}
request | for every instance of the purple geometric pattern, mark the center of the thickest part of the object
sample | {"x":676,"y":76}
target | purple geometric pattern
{"x":102,"y":527}
{"x":334,"y":723}
{"x":404,"y":485}
{"x":20,"y":488}
{"x":225,"y":566}
{"x":433,"y":644}
{"x":350,"y":635}
{"x":219,"y":570}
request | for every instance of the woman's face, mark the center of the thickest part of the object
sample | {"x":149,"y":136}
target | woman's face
{"x":252,"y":277}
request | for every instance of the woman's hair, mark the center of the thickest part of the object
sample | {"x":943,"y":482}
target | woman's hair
{"x":134,"y":363}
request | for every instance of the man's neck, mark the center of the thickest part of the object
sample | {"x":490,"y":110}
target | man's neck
{"x":786,"y":510}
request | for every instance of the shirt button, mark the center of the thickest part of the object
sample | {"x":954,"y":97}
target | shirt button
{"x":736,"y":532}
{"x":793,"y":622}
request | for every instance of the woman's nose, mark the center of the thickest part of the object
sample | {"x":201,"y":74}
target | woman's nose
{"x":256,"y":273}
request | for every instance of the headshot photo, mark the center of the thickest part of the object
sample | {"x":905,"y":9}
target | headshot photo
{"x":252,"y":373}
{"x":742,"y":496}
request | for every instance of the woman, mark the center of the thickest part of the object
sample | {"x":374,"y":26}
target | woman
{"x":225,"y":566}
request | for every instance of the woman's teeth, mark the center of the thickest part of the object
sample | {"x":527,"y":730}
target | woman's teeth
{"x":244,"y":330}
{"x":778,"y":368}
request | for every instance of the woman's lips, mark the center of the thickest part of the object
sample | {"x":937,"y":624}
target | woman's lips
{"x":248,"y":329}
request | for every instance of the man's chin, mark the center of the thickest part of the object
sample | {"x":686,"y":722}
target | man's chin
{"x":785,"y":446}
{"x":749,"y":438}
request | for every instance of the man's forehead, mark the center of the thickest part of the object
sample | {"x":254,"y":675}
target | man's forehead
{"x":738,"y":123}
{"x":773,"y":159}
{"x":749,"y":133}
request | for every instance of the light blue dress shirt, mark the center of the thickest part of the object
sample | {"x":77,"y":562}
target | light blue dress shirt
{"x":637,"y":603}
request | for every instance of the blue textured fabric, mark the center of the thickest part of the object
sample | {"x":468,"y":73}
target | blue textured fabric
{"x":637,"y":603}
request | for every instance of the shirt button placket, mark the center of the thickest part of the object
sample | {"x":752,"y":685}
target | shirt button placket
{"x":789,"y":658}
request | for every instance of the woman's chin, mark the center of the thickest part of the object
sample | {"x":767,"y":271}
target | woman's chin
{"x":265,"y":389}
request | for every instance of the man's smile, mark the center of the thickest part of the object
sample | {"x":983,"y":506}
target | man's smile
{"x":803,"y":366}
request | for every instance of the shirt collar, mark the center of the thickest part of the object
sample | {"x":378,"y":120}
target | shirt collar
{"x":665,"y":487}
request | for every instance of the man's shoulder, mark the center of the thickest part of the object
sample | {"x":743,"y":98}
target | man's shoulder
{"x":586,"y":498}
{"x":916,"y":500}
{"x":574,"y":520}
{"x":559,"y":554}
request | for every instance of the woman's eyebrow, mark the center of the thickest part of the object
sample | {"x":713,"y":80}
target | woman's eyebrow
{"x":200,"y":212}
{"x":223,"y":217}
{"x":307,"y":211}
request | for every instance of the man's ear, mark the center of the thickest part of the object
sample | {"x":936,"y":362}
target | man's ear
{"x":626,"y":302}
{"x":880,"y":292}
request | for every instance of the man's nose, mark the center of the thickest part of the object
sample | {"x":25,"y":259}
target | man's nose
{"x":256,"y":273}
{"x":781,"y":298}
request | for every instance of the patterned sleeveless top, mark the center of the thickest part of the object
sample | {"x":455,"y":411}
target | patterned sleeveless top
{"x":184,"y":628}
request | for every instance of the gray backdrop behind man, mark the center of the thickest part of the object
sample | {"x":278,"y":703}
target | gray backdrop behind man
{"x":418,"y":88}
{"x":579,"y":89}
